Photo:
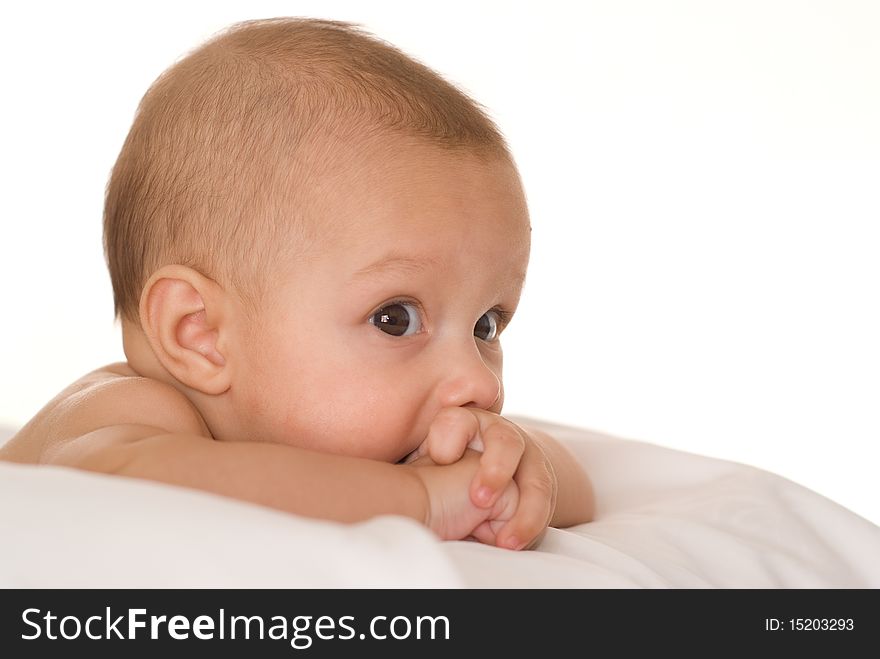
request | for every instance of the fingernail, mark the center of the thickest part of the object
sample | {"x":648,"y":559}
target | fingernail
{"x":484,"y":495}
{"x":512,"y":542}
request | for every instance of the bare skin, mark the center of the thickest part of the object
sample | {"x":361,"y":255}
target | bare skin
{"x":105,"y":422}
{"x":312,"y":407}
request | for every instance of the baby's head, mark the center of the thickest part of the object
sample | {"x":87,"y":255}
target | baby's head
{"x":316,"y":239}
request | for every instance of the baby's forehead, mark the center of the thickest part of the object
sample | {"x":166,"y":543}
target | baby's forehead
{"x":340,"y":186}
{"x":447,"y":221}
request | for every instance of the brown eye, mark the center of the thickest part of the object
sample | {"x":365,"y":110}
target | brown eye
{"x":398,"y":319}
{"x":487,"y":327}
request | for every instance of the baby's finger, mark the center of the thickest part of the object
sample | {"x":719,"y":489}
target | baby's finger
{"x":503,"y":447}
{"x":484,"y":533}
{"x":537,"y":499}
{"x":450,"y":433}
{"x":530,"y":520}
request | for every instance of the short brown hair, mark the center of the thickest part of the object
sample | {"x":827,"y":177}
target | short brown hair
{"x":219,"y":135}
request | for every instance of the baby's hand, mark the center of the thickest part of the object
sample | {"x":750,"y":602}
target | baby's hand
{"x":451,"y":513}
{"x":509,"y":452}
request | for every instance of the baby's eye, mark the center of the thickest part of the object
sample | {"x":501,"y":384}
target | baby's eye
{"x":487,"y":327}
{"x":397,"y":319}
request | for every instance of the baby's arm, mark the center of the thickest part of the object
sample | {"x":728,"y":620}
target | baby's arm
{"x":145,"y":429}
{"x":295,"y":480}
{"x":300,"y":481}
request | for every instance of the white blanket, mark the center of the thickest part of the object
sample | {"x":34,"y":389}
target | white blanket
{"x":664,"y":519}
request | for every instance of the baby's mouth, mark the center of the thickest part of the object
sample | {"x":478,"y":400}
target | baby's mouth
{"x":409,"y":457}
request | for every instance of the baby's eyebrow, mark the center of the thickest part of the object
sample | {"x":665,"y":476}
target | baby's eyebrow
{"x":395,"y":264}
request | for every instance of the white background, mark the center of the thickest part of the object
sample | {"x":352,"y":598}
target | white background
{"x":703,"y":177}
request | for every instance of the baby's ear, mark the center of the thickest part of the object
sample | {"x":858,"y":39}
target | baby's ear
{"x":182,"y":314}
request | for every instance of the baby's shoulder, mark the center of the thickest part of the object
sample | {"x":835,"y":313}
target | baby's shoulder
{"x":114,"y":395}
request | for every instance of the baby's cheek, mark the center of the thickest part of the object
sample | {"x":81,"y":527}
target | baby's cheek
{"x":387,"y":428}
{"x":368,"y":412}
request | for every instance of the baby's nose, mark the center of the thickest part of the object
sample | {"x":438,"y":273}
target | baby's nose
{"x":473,"y":383}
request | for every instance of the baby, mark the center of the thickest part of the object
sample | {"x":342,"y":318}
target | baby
{"x":315,"y":243}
